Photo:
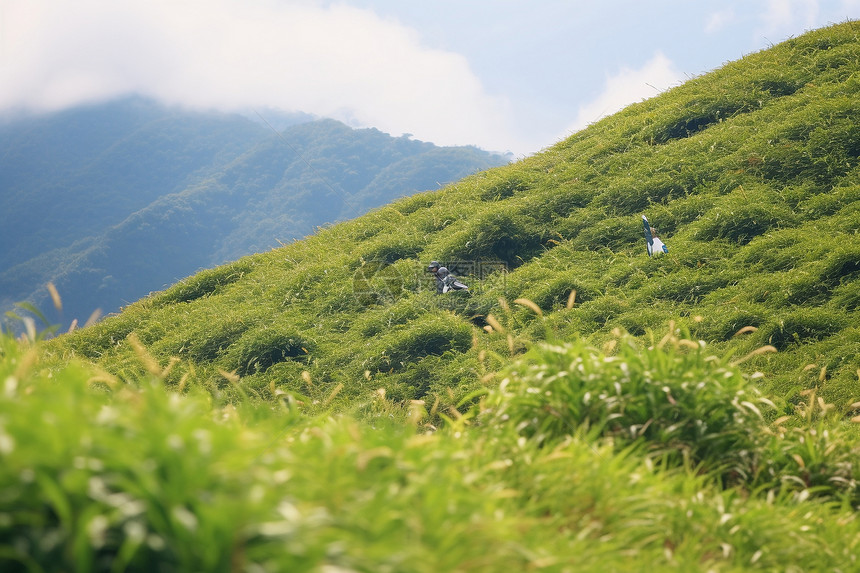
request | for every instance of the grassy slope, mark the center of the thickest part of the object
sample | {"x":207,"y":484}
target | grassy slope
{"x":613,"y":453}
{"x":749,"y":173}
{"x":98,"y":475}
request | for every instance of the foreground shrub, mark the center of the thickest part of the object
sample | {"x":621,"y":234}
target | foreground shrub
{"x":99,"y":476}
{"x":683,"y":407}
{"x":681,"y":402}
{"x":812,"y":453}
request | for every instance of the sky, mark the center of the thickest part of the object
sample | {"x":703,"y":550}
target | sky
{"x":504,"y":75}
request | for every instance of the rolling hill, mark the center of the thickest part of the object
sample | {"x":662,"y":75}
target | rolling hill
{"x":749,"y":174}
{"x":583,"y":407}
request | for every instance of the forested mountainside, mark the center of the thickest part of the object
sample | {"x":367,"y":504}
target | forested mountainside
{"x":110,"y":202}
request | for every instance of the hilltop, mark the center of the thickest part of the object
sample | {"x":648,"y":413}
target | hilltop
{"x":114,"y":200}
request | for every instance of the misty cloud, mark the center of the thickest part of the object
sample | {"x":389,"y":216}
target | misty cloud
{"x":335,"y":61}
{"x":500,"y":75}
{"x":627,"y":86}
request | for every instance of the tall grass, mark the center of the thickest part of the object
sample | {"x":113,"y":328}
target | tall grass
{"x":102,"y":475}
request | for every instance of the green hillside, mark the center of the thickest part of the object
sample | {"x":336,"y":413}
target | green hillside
{"x":584,"y":407}
{"x":750,"y":174}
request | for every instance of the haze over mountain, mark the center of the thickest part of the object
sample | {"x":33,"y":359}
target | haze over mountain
{"x":112,"y":201}
{"x":509,"y":75}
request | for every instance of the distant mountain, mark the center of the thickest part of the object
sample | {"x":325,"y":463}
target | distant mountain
{"x":112,"y":201}
{"x":70,"y":175}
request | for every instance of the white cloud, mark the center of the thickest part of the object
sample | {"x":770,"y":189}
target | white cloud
{"x":783,"y":15}
{"x":335,"y":61}
{"x":626,"y":87}
{"x":717,"y":21}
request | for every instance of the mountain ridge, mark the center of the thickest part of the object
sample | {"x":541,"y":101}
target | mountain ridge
{"x":161,"y":193}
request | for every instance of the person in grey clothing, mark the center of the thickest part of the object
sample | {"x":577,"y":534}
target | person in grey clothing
{"x":445,"y":281}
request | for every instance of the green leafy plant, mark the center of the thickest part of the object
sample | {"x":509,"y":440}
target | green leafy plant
{"x":684,"y":404}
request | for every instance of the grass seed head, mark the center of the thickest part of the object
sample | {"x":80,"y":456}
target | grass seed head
{"x":55,"y":296}
{"x":529,"y":304}
{"x":495,"y":324}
